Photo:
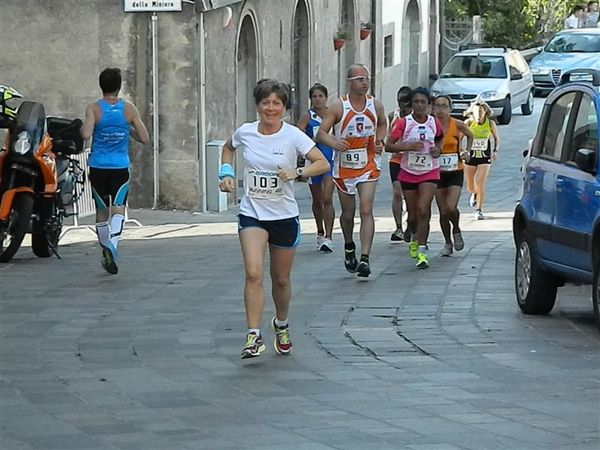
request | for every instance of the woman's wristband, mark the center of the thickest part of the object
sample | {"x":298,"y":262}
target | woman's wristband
{"x":226,"y":170}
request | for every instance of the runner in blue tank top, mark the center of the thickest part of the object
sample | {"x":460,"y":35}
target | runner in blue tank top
{"x":110,"y":122}
{"x":321,"y":187}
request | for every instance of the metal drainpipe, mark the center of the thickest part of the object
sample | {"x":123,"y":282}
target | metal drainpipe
{"x":155,"y":114}
{"x":202,"y":109}
{"x":374,"y":37}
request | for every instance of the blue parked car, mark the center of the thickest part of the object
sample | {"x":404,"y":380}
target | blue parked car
{"x":556,"y":225}
{"x":567,"y":50}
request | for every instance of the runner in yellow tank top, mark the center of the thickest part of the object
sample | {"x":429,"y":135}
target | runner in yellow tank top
{"x":449,"y":188}
{"x":483,"y":152}
{"x":360,"y":127}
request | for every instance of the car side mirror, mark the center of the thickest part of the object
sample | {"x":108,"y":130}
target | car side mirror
{"x":516,"y":76}
{"x":539,"y":49}
{"x":433,"y":76}
{"x":585,"y":159}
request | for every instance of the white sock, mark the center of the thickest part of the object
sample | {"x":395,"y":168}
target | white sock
{"x":422,"y":248}
{"x":103,"y":232}
{"x":116,"y":228}
{"x":281,"y":323}
{"x":254,"y":330}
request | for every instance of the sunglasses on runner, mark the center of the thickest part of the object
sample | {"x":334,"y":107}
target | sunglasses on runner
{"x":360,"y":79}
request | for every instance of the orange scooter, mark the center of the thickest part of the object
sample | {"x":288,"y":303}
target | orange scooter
{"x":37,"y":176}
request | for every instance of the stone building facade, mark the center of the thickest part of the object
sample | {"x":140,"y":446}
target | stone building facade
{"x":210,"y":55}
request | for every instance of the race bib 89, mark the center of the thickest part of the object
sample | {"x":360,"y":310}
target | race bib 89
{"x":354,"y":159}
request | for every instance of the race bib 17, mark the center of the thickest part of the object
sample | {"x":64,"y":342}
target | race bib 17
{"x":449,"y":162}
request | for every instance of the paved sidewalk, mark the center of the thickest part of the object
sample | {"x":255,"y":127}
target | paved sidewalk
{"x":423,"y":360}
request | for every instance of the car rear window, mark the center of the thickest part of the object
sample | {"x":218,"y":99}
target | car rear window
{"x":585,"y":133}
{"x":556,"y":126}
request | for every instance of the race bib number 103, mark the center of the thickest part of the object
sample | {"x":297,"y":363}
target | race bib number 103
{"x":263,"y":184}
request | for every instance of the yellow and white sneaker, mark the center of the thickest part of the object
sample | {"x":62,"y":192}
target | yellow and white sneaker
{"x":422,"y":261}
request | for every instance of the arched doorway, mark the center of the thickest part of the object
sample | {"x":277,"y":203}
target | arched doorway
{"x":247,"y":70}
{"x":347,"y":21}
{"x":246,"y":78}
{"x":411,"y":44}
{"x":300,"y":60}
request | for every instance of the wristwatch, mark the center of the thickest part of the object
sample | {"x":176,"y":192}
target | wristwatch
{"x":299,"y":171}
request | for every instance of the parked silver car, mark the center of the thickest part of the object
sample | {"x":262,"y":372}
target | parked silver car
{"x":499,"y":76}
{"x":567,"y":50}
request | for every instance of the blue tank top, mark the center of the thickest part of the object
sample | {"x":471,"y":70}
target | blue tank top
{"x":314,"y":122}
{"x":110,"y":145}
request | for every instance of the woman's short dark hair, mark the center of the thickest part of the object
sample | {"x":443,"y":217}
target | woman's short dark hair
{"x":422,"y":91}
{"x":404,"y":91}
{"x":267,"y":86}
{"x":110,"y":80}
{"x":447,"y":97}
{"x":318,"y":87}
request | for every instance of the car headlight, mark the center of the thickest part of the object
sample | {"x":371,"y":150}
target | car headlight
{"x":488,"y":95}
{"x":539,"y":71}
{"x":23,"y":143}
{"x":436,"y":93}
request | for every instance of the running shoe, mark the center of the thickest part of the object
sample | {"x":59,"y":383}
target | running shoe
{"x":109,"y":262}
{"x":459,"y":242}
{"x":447,"y":250}
{"x":398,"y":235}
{"x":413,"y":249}
{"x":473,"y":200}
{"x":283,"y":343}
{"x":363,"y":270}
{"x":326,"y":245}
{"x":320,"y":239}
{"x":478,"y":215}
{"x":422,"y":261}
{"x":254,"y":346}
{"x":350,"y":261}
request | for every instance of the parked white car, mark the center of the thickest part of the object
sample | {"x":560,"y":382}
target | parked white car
{"x":499,"y":76}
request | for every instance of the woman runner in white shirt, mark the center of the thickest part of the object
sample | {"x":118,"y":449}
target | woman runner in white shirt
{"x":268,"y":214}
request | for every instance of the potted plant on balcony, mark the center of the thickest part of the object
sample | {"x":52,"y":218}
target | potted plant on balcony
{"x":365,"y":30}
{"x":339,"y":38}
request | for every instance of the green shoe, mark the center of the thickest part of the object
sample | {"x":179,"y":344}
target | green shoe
{"x":422,"y":261}
{"x":254,"y":346}
{"x":413,"y":249}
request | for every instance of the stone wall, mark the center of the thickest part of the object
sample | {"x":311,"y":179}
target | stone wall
{"x":56,"y":49}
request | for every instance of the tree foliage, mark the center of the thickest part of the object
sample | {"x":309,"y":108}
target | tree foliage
{"x":513,"y":23}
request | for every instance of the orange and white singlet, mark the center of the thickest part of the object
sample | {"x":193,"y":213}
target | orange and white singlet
{"x":357,"y":128}
{"x":396,"y":157}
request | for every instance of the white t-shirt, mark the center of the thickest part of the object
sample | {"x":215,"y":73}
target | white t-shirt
{"x":571,"y":22}
{"x":266,"y":196}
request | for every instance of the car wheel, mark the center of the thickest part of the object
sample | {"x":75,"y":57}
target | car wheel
{"x":535,"y":289}
{"x":596,"y":290}
{"x":527,"y":108}
{"x":504,"y":118}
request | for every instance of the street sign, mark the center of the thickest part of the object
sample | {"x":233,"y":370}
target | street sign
{"x":152,"y":5}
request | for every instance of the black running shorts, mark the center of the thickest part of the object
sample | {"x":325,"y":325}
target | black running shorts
{"x":283,"y":233}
